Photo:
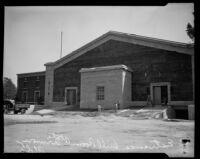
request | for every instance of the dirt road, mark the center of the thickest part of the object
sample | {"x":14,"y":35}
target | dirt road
{"x":78,"y":132}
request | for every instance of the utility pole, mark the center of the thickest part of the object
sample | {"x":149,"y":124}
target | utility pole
{"x":61,"y":46}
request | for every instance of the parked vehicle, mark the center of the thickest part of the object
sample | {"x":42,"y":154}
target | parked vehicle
{"x":9,"y":106}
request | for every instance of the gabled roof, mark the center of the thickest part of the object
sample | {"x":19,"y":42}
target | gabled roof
{"x":130,"y":38}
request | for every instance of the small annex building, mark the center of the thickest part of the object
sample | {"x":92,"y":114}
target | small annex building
{"x":118,"y":68}
{"x":106,"y":85}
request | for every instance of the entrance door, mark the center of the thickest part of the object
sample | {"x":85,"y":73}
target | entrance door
{"x":164,"y":95}
{"x":70,"y":96}
{"x":24,"y":97}
{"x":36,"y":96}
{"x":157,"y":95}
{"x":160,"y":93}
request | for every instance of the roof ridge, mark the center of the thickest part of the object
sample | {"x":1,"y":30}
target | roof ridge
{"x":123,"y":35}
{"x":148,"y":37}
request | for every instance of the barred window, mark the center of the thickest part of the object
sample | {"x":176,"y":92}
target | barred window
{"x":100,"y":93}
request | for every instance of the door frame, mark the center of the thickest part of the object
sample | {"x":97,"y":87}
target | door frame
{"x":152,"y":85}
{"x":34,"y":95}
{"x":69,"y":88}
{"x":26,"y":96}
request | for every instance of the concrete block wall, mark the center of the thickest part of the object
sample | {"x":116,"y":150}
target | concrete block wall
{"x":112,"y":82}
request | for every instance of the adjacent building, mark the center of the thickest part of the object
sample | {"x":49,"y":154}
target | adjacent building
{"x":31,"y":87}
{"x":121,"y":68}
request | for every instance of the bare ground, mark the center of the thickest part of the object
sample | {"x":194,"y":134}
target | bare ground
{"x":89,"y":131}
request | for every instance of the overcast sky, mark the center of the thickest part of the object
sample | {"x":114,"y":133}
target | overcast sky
{"x":32,"y":34}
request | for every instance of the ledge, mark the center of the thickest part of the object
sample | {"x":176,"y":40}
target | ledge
{"x":105,"y":68}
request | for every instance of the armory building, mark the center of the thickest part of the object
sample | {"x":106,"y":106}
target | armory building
{"x":119,"y":68}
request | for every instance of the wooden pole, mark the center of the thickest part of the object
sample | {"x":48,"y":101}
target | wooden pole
{"x":61,"y":47}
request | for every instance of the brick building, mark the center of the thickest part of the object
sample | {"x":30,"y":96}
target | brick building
{"x":118,"y":68}
{"x":31,"y":87}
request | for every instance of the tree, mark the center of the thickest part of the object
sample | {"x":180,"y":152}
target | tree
{"x":190,"y":31}
{"x":9,"y":89}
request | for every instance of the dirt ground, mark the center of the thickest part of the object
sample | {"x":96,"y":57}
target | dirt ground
{"x":76,"y":131}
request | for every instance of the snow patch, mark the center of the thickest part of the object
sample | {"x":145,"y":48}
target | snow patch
{"x":45,"y":111}
{"x":141,"y":110}
{"x":122,"y":111}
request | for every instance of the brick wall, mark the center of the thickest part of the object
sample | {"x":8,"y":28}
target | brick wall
{"x":31,"y":86}
{"x":148,"y":64}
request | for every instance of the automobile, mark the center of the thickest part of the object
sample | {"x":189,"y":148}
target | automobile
{"x":9,"y":105}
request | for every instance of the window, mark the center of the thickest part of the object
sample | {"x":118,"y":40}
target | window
{"x":37,"y":78}
{"x":100,"y":93}
{"x":25,"y":84}
{"x":37,"y":83}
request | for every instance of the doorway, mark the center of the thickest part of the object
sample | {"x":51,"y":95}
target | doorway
{"x":157,"y":95}
{"x":24,"y":97}
{"x":36,"y":96}
{"x":71,"y":95}
{"x":160,"y":93}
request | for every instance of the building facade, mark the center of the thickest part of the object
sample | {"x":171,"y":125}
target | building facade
{"x":31,"y":87}
{"x":106,"y":86}
{"x":122,"y":68}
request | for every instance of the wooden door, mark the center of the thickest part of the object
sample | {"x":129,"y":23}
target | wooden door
{"x":157,"y":95}
{"x":36,"y":96}
{"x":25,"y":97}
{"x":71,"y":96}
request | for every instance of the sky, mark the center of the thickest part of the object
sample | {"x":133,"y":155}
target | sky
{"x":32,"y":34}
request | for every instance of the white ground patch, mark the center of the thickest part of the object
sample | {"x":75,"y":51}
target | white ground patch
{"x":93,"y":132}
{"x":45,"y":111}
{"x":30,"y":109}
{"x":121,"y":111}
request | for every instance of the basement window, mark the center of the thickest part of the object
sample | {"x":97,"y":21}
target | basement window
{"x":100,"y":93}
{"x":181,"y":114}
